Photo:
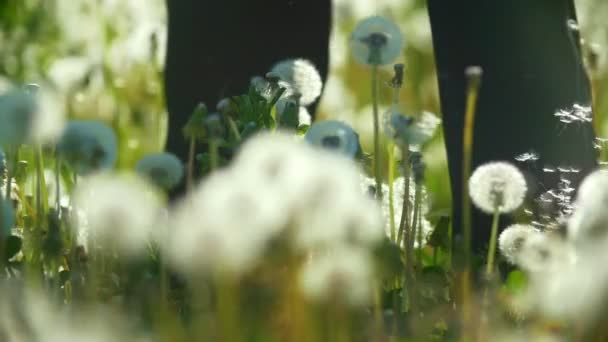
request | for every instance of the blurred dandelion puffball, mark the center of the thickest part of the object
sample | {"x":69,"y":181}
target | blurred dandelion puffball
{"x":277,"y":184}
{"x":543,"y":253}
{"x":117,"y":211}
{"x":302,"y":77}
{"x":163,"y":169}
{"x":497,"y":186}
{"x":334,"y":136}
{"x":376,"y":41}
{"x":589,"y":220}
{"x":512,"y":240}
{"x":7,"y":218}
{"x":344,"y":274}
{"x":88,"y":146}
{"x":17,"y":114}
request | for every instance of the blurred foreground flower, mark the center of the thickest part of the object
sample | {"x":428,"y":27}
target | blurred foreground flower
{"x":276,"y":185}
{"x":17,"y":113}
{"x":163,"y":169}
{"x":118,"y":211}
{"x":343,"y":275}
{"x":376,"y":41}
{"x":88,"y":146}
{"x":590,"y":219}
{"x":497,"y":186}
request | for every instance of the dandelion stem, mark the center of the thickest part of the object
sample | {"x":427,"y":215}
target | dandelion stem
{"x":191,"y":153}
{"x":376,"y":133}
{"x":404,"y":222}
{"x":57,"y":183}
{"x":492,"y":244}
{"x":391,"y":179}
{"x":414,"y":233}
{"x":227,"y":308}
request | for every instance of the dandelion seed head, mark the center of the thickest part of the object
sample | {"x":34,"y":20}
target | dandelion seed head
{"x":88,"y":146}
{"x":344,"y":274}
{"x":497,"y":186}
{"x":376,"y":41}
{"x":303,"y":78}
{"x":543,"y":253}
{"x":512,"y":239}
{"x":589,"y":220}
{"x":17,"y":113}
{"x":163,"y":169}
{"x":334,"y":136}
{"x":118,"y":211}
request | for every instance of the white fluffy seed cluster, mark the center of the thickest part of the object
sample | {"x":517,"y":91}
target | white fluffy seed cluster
{"x":276,"y":186}
{"x":590,"y":218}
{"x":512,"y":240}
{"x":376,"y":33}
{"x":302,"y":77}
{"x":117,"y":212}
{"x":497,"y":186}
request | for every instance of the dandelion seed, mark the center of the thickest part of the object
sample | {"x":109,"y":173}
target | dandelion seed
{"x":163,"y":169}
{"x":334,"y":136}
{"x":344,"y":274}
{"x":527,"y":157}
{"x":88,"y":146}
{"x":118,"y":212}
{"x":512,"y":239}
{"x":497,"y":186}
{"x":303,"y":78}
{"x":376,"y":41}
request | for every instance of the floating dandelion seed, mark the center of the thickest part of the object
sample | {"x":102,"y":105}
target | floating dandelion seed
{"x":344,"y":274}
{"x":512,"y":239}
{"x":88,"y":146}
{"x":376,"y":41}
{"x":302,"y":77}
{"x":578,"y":113}
{"x":497,"y":186}
{"x":163,"y":169}
{"x":334,"y":136}
{"x":527,"y":157}
{"x":117,"y":212}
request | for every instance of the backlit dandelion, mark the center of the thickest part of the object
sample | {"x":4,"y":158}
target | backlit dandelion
{"x":88,"y":146}
{"x":589,"y":220}
{"x":543,"y":253}
{"x":17,"y":113}
{"x":512,"y":239}
{"x":497,"y":186}
{"x":334,"y":136}
{"x":163,"y":169}
{"x":302,"y":77}
{"x":118,"y":212}
{"x":376,"y":41}
{"x":343,"y":274}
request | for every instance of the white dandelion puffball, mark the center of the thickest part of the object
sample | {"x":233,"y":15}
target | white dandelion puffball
{"x":163,"y":169}
{"x":497,"y":186}
{"x":590,"y":219}
{"x":303,"y":78}
{"x":225,"y":224}
{"x":119,"y":211}
{"x":512,"y":239}
{"x":544,"y":253}
{"x":376,"y":41}
{"x":344,"y":273}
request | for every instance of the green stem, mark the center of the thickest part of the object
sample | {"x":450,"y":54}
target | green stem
{"x":376,"y":133}
{"x":404,"y":222}
{"x":191,"y":153}
{"x":57,"y":183}
{"x":414,"y":228}
{"x":391,"y":202}
{"x":227,"y":308}
{"x":492,"y":248}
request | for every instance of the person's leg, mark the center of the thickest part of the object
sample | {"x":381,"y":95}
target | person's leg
{"x":532,"y":68}
{"x":215,"y":47}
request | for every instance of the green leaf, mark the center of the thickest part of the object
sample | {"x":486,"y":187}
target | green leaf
{"x":388,"y":259}
{"x":516,"y":282}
